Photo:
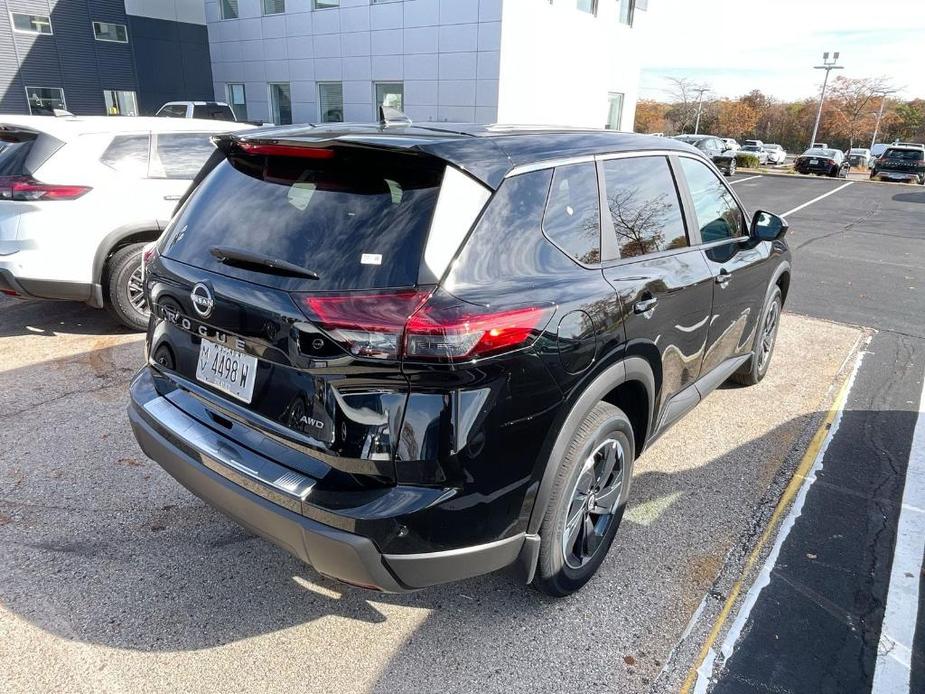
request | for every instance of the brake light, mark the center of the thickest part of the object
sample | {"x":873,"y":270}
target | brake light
{"x":277,"y":150}
{"x":458,"y":333}
{"x":28,"y":189}
{"x":148,"y":254}
{"x":414,"y":325}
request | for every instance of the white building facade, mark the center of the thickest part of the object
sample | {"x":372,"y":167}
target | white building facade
{"x":563,"y":62}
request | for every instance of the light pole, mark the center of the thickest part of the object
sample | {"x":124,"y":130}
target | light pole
{"x":828,"y":66}
{"x":700,"y":91}
{"x":883,"y":95}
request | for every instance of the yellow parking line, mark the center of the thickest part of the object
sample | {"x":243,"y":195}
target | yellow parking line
{"x":809,"y":458}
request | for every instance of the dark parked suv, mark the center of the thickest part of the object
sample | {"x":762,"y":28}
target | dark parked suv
{"x":410,"y":355}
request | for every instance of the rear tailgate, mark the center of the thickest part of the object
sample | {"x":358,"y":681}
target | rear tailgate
{"x":359,"y":219}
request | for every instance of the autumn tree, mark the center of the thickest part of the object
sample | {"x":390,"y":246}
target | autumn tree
{"x":853,"y":104}
{"x":650,"y":116}
{"x":737,"y":118}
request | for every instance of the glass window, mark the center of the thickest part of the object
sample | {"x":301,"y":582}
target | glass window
{"x":718,"y":214}
{"x":237,"y":99}
{"x":389,"y":94}
{"x":128,"y":154}
{"x":324,"y":4}
{"x":44,"y":100}
{"x":31,"y":23}
{"x":228,"y":9}
{"x":573,"y":214}
{"x":589,"y":6}
{"x":172,"y":111}
{"x":280,"y":103}
{"x":213,"y":112}
{"x":331,"y":100}
{"x":643,"y":203}
{"x":107,"y":31}
{"x":274,"y":6}
{"x":614,"y":111}
{"x":321,"y":214}
{"x":120,"y":103}
{"x":627,"y":11}
{"x":181,"y":155}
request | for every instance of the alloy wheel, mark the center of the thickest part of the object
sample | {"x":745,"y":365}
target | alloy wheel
{"x":768,"y":334}
{"x":594,"y":500}
{"x":136,"y":291}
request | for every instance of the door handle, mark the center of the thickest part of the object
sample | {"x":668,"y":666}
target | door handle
{"x":644,"y":305}
{"x":172,"y":197}
{"x":722,"y":279}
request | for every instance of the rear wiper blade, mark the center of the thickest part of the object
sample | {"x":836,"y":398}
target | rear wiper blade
{"x":262,"y":263}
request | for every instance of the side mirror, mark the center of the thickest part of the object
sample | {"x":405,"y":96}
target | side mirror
{"x":767,"y":226}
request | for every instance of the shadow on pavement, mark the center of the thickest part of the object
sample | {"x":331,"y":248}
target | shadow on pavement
{"x":51,"y":318}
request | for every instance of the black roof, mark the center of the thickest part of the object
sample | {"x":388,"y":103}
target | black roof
{"x":487,"y":152}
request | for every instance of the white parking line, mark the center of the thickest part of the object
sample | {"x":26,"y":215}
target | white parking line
{"x":810,"y":202}
{"x":892,"y":669}
{"x":740,"y":180}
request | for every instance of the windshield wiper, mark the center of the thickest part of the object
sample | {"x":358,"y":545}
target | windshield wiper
{"x":262,"y":263}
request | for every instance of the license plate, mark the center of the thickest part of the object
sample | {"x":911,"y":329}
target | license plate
{"x":813,"y":161}
{"x":228,"y":370}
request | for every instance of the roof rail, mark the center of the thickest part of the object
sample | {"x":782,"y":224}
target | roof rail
{"x":392,"y":116}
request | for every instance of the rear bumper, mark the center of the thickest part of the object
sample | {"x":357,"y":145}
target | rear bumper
{"x":345,"y":556}
{"x":898,"y":175}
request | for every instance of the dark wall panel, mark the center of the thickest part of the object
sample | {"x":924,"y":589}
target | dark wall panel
{"x":172,"y":62}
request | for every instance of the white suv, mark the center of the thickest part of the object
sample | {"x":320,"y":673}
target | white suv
{"x":81,"y":196}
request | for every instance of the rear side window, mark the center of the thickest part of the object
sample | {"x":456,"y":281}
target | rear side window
{"x":360,"y":219}
{"x":13,"y":157}
{"x":643,"y":203}
{"x":181,"y":155}
{"x":213,"y":112}
{"x":173,"y":111}
{"x":128,"y":154}
{"x":718,"y":214}
{"x":573,"y":214}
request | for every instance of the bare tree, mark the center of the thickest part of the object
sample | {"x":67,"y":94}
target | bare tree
{"x":684,"y":94}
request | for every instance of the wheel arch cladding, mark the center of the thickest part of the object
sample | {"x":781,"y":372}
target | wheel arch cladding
{"x":116,"y":239}
{"x":622,"y":382}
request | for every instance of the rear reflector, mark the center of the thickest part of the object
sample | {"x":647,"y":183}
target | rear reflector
{"x":28,"y":189}
{"x":419,"y":327}
{"x":277,"y":150}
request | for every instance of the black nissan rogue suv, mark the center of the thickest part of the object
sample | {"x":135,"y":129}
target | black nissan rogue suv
{"x":413,"y":354}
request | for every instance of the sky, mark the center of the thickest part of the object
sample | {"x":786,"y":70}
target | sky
{"x":734,"y":46}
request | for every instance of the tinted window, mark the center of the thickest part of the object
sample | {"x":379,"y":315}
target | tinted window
{"x":907,"y":154}
{"x":181,"y":155}
{"x":13,"y":157}
{"x":360,"y":219}
{"x":643,"y":204}
{"x":213,"y":112}
{"x":718,"y":214}
{"x":173,"y":111}
{"x":128,"y":154}
{"x":572,"y":220}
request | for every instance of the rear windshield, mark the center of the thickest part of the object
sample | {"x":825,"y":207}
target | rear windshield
{"x":213,"y":112}
{"x":359,"y":220}
{"x":905,"y":154}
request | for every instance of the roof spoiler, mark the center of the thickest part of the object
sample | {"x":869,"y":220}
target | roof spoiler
{"x":392,"y":116}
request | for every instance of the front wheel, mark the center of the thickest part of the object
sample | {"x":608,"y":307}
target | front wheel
{"x":731,"y":168}
{"x":587,"y":502}
{"x":125,"y":288}
{"x":755,"y":368}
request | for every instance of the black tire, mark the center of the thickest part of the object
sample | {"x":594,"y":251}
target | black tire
{"x":755,"y":368}
{"x":731,"y":168}
{"x":123,"y":280}
{"x":565,"y":567}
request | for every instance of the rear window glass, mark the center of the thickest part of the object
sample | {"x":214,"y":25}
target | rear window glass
{"x":573,"y":212}
{"x":13,"y":157}
{"x":359,"y":220}
{"x":905,"y":154}
{"x":181,"y":155}
{"x":213,"y":112}
{"x":128,"y":154}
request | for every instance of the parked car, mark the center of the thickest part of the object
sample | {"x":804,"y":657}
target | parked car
{"x":715,"y":148}
{"x":901,"y":164}
{"x":776,"y":153}
{"x":819,"y":145}
{"x":419,"y":370}
{"x":859,"y":157}
{"x":79,"y":198}
{"x":206,"y":110}
{"x":822,"y":162}
{"x":730,"y":143}
{"x":754,"y":143}
{"x":758,"y":151}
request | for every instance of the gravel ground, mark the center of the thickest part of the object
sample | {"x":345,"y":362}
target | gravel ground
{"x":113,"y":578}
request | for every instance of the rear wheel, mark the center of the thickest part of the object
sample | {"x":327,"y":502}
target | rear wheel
{"x":587,"y":503}
{"x":125,"y":288}
{"x":731,"y":168}
{"x":756,"y":367}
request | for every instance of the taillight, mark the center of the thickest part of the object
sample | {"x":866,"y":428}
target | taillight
{"x":369,"y":325}
{"x":148,"y":254}
{"x":461,"y":332}
{"x":414,"y":325}
{"x":28,"y":189}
